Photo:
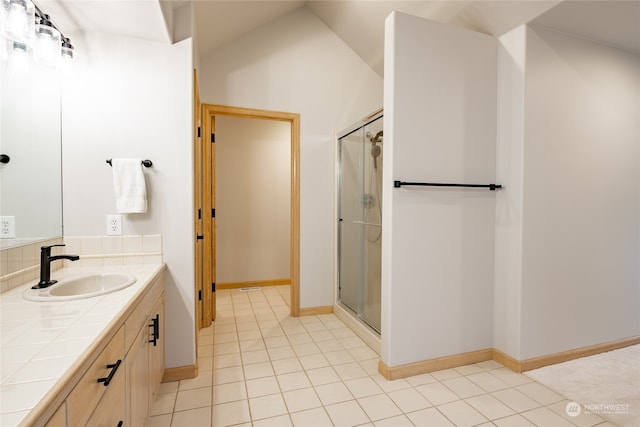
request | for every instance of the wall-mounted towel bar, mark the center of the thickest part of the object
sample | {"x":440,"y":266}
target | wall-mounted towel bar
{"x":492,"y":187}
{"x":145,"y":163}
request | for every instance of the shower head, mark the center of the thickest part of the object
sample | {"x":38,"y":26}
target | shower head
{"x":376,"y":138}
{"x":376,"y":150}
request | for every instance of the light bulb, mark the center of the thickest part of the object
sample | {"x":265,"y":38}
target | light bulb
{"x":67,"y":48}
{"x":18,"y":64}
{"x":4,"y":49}
{"x":17,"y":19}
{"x":48,"y":45}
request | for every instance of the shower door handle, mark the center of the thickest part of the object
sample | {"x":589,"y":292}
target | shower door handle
{"x":367,"y":223}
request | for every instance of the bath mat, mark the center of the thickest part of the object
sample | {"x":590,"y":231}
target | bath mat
{"x":606,"y":384}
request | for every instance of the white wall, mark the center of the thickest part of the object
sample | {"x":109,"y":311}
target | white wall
{"x":568,"y":228}
{"x":127,"y":97}
{"x":438,"y":244}
{"x":253,"y":199}
{"x":296,"y":64}
{"x":581,"y":185}
{"x":509,"y":164}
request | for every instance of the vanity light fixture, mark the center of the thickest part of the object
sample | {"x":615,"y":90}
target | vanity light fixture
{"x":21,"y":21}
{"x":18,"y":59}
{"x":17,"y":20}
{"x":20,"y":47}
{"x":67,"y":48}
{"x":48,"y":48}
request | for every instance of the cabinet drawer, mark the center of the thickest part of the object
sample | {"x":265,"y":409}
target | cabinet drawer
{"x":86,"y":394}
{"x":111,"y":409}
{"x":140,"y":316}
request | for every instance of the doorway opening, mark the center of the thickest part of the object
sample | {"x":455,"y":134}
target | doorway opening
{"x":226,"y":116}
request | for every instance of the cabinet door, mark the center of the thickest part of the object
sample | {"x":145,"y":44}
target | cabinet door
{"x":138,"y":380}
{"x":156,"y":348}
{"x":59,"y":419}
{"x":95,"y":382}
{"x":110,"y":411}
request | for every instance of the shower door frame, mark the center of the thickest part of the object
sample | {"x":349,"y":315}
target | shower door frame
{"x":378,"y":114}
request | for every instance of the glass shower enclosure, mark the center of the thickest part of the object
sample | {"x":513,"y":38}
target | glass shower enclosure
{"x":360,"y":151}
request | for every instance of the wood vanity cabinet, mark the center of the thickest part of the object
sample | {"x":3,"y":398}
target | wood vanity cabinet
{"x":100,"y":377}
{"x":119,"y":387}
{"x":138,"y":380}
{"x":156,"y":351}
{"x":110,"y":412}
{"x":145,"y":366}
{"x":59,"y":419}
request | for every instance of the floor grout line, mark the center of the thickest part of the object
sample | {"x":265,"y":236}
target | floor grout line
{"x":244,"y":312}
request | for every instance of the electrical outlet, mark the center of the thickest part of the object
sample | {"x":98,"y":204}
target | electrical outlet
{"x":7,"y":227}
{"x":114,"y":225}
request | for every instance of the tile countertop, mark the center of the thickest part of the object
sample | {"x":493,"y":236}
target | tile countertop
{"x":42,"y":342}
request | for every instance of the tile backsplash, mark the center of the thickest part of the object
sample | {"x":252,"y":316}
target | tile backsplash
{"x":22,"y":264}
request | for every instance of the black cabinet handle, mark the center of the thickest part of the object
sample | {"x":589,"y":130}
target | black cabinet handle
{"x":120,"y":424}
{"x":155,"y":324}
{"x":114,"y":367}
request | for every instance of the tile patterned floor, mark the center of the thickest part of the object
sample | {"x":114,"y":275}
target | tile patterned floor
{"x":269,"y":369}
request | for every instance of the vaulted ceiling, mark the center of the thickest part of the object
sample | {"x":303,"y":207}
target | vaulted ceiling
{"x":359,"y":23}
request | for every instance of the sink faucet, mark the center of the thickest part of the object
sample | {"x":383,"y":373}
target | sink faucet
{"x":45,"y":266}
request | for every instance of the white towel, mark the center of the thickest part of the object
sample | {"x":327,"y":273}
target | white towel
{"x":129,"y":186}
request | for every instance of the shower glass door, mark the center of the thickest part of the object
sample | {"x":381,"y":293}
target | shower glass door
{"x":359,"y":216}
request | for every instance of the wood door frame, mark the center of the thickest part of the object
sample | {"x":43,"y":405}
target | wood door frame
{"x":209,"y":111}
{"x":197,"y":205}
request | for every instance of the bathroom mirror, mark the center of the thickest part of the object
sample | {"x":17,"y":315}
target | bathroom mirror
{"x":30,"y":135}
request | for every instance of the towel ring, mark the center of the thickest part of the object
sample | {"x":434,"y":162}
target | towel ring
{"x":146,"y":163}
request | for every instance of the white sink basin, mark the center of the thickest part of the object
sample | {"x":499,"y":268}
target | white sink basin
{"x":78,"y":287}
